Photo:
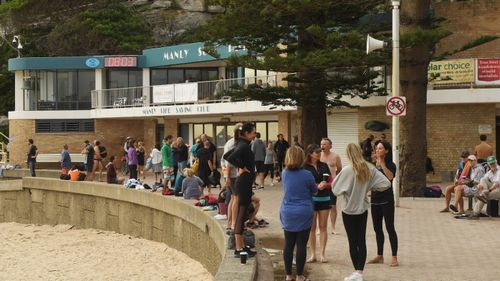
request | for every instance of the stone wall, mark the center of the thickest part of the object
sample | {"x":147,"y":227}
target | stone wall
{"x":172,"y":221}
{"x":450,"y":129}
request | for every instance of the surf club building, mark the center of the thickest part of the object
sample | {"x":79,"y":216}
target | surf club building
{"x":175,"y":90}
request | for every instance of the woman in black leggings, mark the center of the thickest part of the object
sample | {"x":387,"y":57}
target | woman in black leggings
{"x":382,"y":204}
{"x":354,"y":182}
{"x":242,"y":157}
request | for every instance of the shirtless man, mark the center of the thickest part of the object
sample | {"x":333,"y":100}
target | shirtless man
{"x":335,"y":165}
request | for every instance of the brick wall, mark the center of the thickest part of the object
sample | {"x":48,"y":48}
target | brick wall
{"x":450,"y":129}
{"x":111,"y":132}
{"x":468,"y":20}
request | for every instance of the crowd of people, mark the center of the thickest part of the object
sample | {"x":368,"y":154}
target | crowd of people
{"x":312,"y":178}
{"x":476,"y":177}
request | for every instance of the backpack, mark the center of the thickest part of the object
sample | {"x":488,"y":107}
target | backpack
{"x":103,"y":151}
{"x":248,"y":238}
{"x":433,"y":191}
{"x":81,"y":177}
{"x":65,"y":176}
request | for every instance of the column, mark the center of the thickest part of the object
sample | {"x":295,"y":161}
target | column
{"x":150,"y":133}
{"x":171,"y":126}
{"x":284,"y":123}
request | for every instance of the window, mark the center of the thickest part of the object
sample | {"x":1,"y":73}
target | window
{"x":158,"y":76}
{"x":63,"y":126}
{"x":176,"y":76}
{"x":59,"y":90}
{"x":124,"y":78}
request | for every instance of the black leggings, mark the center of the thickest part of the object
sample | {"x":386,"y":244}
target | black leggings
{"x":384,"y":212}
{"x":133,"y":171}
{"x":172,"y":182}
{"x":291,"y":239}
{"x":355,"y":227}
{"x":244,"y":187}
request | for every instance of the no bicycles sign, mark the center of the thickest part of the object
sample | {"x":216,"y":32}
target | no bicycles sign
{"x":395,"y":106}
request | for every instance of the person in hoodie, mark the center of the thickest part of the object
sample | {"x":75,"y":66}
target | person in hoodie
{"x":353,"y":183}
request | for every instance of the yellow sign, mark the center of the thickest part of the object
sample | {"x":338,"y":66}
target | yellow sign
{"x":451,"y":71}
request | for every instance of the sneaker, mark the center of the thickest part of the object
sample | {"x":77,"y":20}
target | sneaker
{"x":445,"y":210}
{"x":261,"y":187}
{"x":355,"y":276}
{"x":220,"y":217}
{"x":249,"y":252}
{"x":272,"y":183}
{"x":453,"y":208}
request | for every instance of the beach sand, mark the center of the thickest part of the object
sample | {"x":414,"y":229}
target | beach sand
{"x":43,"y":252}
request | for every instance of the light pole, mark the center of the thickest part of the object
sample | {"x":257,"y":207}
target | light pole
{"x":374,"y":44}
{"x":395,"y":93}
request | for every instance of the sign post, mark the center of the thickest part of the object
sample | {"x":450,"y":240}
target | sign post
{"x":395,"y":106}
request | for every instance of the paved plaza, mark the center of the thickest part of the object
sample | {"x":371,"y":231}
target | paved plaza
{"x":432,"y":245}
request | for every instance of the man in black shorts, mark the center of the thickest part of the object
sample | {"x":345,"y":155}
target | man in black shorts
{"x":259,"y":151}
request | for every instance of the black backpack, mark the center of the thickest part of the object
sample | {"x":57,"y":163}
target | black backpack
{"x":103,"y":151}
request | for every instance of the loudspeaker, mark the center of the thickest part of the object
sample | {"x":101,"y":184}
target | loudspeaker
{"x":374,"y":44}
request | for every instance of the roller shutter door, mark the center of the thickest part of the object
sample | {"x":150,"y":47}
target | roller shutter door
{"x":342,"y":130}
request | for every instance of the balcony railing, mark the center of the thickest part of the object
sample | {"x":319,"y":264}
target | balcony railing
{"x":181,"y":93}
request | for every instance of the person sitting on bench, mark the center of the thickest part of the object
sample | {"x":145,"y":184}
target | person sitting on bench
{"x":469,"y":184}
{"x":489,"y":188}
{"x":451,"y":189}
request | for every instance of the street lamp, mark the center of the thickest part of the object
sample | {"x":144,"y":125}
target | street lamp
{"x":374,"y":44}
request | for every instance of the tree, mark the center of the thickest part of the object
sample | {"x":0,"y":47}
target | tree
{"x":419,"y":36}
{"x":320,"y":41}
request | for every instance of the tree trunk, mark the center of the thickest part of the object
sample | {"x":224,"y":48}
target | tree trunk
{"x":313,"y":124}
{"x":413,"y":75}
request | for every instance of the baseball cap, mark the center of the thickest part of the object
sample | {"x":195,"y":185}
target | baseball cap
{"x":491,"y":159}
{"x":465,"y":153}
{"x":472,"y":157}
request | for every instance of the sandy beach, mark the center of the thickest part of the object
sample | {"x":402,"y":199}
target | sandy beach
{"x":43,"y":252}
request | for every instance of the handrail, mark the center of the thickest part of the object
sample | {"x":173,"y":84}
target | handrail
{"x":179,"y":93}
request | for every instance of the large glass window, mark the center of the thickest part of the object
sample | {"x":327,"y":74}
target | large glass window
{"x":59,"y":90}
{"x":159,"y":76}
{"x":175,"y":76}
{"x":193,"y":75}
{"x":124,"y":78}
{"x":86,"y":83}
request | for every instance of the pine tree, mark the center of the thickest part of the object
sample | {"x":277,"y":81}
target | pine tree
{"x":319,"y":41}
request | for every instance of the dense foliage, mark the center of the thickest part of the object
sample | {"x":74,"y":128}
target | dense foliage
{"x":321,"y":41}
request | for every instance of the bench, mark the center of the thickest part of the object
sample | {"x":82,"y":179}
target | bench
{"x":56,"y":157}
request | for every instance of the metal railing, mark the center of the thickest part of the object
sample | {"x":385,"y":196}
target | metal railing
{"x":180,"y":93}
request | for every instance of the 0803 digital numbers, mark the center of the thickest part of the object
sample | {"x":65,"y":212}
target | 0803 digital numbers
{"x":120,"y":62}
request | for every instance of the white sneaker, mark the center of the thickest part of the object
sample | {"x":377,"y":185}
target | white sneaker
{"x":355,"y":276}
{"x":220,"y":217}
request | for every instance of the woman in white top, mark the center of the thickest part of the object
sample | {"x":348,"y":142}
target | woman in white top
{"x":353,"y":183}
{"x":156,"y":160}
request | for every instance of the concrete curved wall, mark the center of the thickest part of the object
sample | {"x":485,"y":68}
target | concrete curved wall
{"x":169,"y":220}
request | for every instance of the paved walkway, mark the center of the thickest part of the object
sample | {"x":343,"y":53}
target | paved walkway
{"x":432,"y":245}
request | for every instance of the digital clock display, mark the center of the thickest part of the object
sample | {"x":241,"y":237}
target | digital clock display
{"x":120,"y":61}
